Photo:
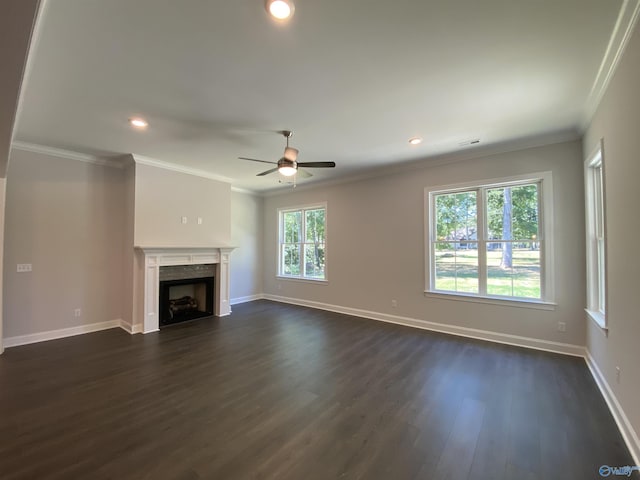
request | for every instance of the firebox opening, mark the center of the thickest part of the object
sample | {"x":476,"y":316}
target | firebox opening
{"x":189,"y":298}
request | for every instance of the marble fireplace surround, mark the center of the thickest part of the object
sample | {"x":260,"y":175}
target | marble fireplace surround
{"x":152,"y":258}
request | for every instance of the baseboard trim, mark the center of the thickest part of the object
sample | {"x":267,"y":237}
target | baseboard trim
{"x":626,"y":429}
{"x":60,"y":333}
{"x":526,"y":342}
{"x":132,"y":329}
{"x":248,"y":298}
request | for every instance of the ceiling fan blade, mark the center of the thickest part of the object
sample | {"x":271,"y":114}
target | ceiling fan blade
{"x":267,"y":172}
{"x":317,"y":164}
{"x":304,"y":174}
{"x":256,"y":160}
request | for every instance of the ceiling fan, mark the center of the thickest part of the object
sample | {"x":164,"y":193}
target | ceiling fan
{"x":288,"y":164}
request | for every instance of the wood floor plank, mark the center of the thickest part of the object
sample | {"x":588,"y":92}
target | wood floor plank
{"x":284,"y":392}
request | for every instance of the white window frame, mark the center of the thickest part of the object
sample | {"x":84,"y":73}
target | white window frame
{"x":303,"y":208}
{"x":596,"y":237}
{"x":545,"y":238}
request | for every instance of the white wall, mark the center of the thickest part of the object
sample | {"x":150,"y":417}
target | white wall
{"x":617,"y":121}
{"x":246,"y":236}
{"x":163,"y":197}
{"x":65,"y":218}
{"x":375,"y":245}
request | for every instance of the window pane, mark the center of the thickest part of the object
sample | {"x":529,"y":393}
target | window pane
{"x":512,"y":212}
{"x":514,"y":271}
{"x":290,"y":259}
{"x":456,"y":216}
{"x":526,"y":271}
{"x":292,"y":227}
{"x":598,"y":199}
{"x":495,"y":212}
{"x":456,"y":266}
{"x":601,"y":296}
{"x":314,"y":225}
{"x":524,"y":199}
{"x":314,"y":260}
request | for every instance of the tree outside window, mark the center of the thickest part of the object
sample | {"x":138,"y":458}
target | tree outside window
{"x":487,"y":240}
{"x":303,"y":242}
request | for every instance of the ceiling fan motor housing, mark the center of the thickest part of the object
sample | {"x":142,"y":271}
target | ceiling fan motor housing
{"x":283,"y":162}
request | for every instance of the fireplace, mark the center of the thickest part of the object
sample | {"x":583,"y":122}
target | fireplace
{"x":186,"y":293}
{"x":149,"y":261}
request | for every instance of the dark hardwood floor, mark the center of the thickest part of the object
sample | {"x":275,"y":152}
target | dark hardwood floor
{"x":282,"y":392}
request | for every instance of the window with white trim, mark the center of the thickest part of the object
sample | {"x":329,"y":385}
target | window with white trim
{"x":595,"y":226}
{"x":302,"y":247}
{"x":489,"y":239}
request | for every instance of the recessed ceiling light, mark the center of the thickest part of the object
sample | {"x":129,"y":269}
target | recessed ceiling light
{"x":138,"y":122}
{"x":415,"y":140}
{"x":280,"y":9}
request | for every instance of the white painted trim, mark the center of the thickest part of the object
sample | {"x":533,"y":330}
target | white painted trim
{"x":625,"y":23}
{"x":248,"y":298}
{"x":179,"y":168}
{"x":545,"y":214}
{"x":132,"y":329}
{"x":154,"y":257}
{"x":599,"y":320}
{"x":526,"y":342}
{"x":245,"y":191}
{"x":66,"y":154}
{"x":626,"y":429}
{"x":307,"y":206}
{"x":505,"y":302}
{"x":316,"y":281}
{"x":61,"y":333}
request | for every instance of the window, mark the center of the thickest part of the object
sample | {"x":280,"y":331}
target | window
{"x":595,"y":223}
{"x":489,"y":240}
{"x":302,"y":242}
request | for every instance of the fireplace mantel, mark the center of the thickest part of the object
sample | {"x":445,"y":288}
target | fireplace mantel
{"x":154,"y":257}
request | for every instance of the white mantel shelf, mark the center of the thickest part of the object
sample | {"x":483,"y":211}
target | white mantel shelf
{"x":160,"y":256}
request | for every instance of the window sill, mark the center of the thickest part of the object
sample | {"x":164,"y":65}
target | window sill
{"x":598,"y":318}
{"x":317,"y":281}
{"x":534,"y":304}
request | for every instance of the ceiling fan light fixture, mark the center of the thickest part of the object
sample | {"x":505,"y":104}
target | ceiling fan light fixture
{"x":287,"y":168}
{"x":280,"y":9}
{"x":287,"y":171}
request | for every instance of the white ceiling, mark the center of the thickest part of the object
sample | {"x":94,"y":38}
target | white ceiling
{"x":353,"y":79}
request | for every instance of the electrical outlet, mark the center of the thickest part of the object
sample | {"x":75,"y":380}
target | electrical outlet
{"x":77,"y":312}
{"x":24,"y":267}
{"x":618,"y":371}
{"x":562,"y":327}
{"x":279,"y":286}
{"x":394,"y":303}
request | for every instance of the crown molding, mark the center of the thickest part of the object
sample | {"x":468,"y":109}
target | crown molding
{"x":244,"y":190}
{"x":66,"y":154}
{"x":622,"y":32}
{"x":179,"y":168}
